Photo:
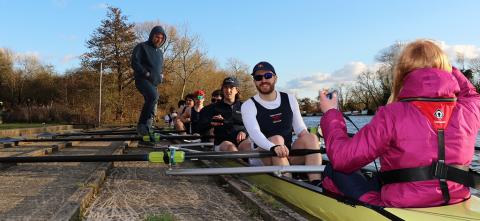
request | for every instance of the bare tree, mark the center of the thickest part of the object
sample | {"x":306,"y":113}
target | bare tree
{"x":387,"y":57}
{"x":474,"y":64}
{"x":7,"y":75}
{"x":344,"y":95}
{"x":240,"y":70}
{"x":461,"y":60}
{"x":307,"y":105}
{"x":191,"y":59}
{"x":27,"y":67}
{"x":368,"y":89}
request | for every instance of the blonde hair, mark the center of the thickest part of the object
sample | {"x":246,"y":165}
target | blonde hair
{"x":421,"y":53}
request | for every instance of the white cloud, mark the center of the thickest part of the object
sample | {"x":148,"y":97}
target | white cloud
{"x":469,"y":51}
{"x":308,"y":86}
{"x":350,"y":71}
{"x":68,"y":58}
{"x":100,"y":6}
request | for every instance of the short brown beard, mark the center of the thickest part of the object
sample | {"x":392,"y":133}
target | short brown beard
{"x":272,"y":88}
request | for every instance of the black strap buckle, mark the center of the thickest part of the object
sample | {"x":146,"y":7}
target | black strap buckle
{"x":440,"y":170}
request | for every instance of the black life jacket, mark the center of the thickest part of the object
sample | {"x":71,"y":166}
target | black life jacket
{"x":438,"y":112}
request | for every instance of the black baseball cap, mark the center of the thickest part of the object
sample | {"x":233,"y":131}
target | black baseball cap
{"x":263,"y":65}
{"x":230,"y":81}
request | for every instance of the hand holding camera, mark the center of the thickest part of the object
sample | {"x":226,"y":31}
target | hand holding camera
{"x":328,"y":100}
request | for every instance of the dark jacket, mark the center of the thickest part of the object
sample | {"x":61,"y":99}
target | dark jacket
{"x":232,"y":123}
{"x":148,"y":59}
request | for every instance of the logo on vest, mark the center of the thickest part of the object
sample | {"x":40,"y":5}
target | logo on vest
{"x":438,"y":114}
{"x":276,"y":118}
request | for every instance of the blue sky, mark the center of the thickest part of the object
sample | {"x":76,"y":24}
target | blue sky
{"x":312,"y":44}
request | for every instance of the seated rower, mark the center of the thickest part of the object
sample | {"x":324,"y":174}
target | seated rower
{"x":217,"y":96}
{"x":424,"y":137}
{"x":183,"y":124}
{"x":271,"y":116}
{"x":226,"y":119}
{"x":192,"y":114}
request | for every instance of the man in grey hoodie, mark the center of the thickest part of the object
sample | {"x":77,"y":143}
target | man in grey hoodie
{"x":147,"y":63}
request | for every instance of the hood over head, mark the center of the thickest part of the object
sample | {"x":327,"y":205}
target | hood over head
{"x":430,"y":83}
{"x":155,"y":30}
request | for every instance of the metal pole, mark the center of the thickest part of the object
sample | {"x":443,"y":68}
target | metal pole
{"x":100,"y":96}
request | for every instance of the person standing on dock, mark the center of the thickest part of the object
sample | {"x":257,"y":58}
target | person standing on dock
{"x":147,"y":63}
{"x":424,"y":137}
{"x":270,"y":117}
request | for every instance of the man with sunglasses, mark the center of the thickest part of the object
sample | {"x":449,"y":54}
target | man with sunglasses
{"x":217,"y":96}
{"x":270,"y":117}
{"x":192,"y":114}
{"x":226,"y":119}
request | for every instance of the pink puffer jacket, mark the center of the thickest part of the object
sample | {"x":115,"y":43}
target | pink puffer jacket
{"x":403,"y":138}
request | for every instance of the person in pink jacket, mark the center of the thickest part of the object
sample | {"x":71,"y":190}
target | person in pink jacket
{"x":424,"y":137}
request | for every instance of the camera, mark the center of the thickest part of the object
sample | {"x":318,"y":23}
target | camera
{"x":330,"y":93}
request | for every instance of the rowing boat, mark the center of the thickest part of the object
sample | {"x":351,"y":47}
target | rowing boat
{"x":328,"y":206}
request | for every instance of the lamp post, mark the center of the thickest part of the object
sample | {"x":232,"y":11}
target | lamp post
{"x":1,"y":112}
{"x":100,"y":96}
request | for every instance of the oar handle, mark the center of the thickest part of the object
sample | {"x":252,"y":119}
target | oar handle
{"x":157,"y":137}
{"x":158,"y":157}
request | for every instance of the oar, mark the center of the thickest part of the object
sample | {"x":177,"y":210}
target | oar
{"x":91,"y":133}
{"x":154,"y":157}
{"x":120,"y":129}
{"x":247,"y":170}
{"x":157,"y":137}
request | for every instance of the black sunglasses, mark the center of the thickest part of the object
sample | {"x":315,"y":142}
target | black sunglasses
{"x":215,"y":100}
{"x":267,"y":75}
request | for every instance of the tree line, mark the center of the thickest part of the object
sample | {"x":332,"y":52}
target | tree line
{"x":34,"y":92}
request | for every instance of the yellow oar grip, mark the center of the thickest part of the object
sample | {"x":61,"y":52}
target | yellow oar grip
{"x":156,"y":138}
{"x":157,"y":157}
